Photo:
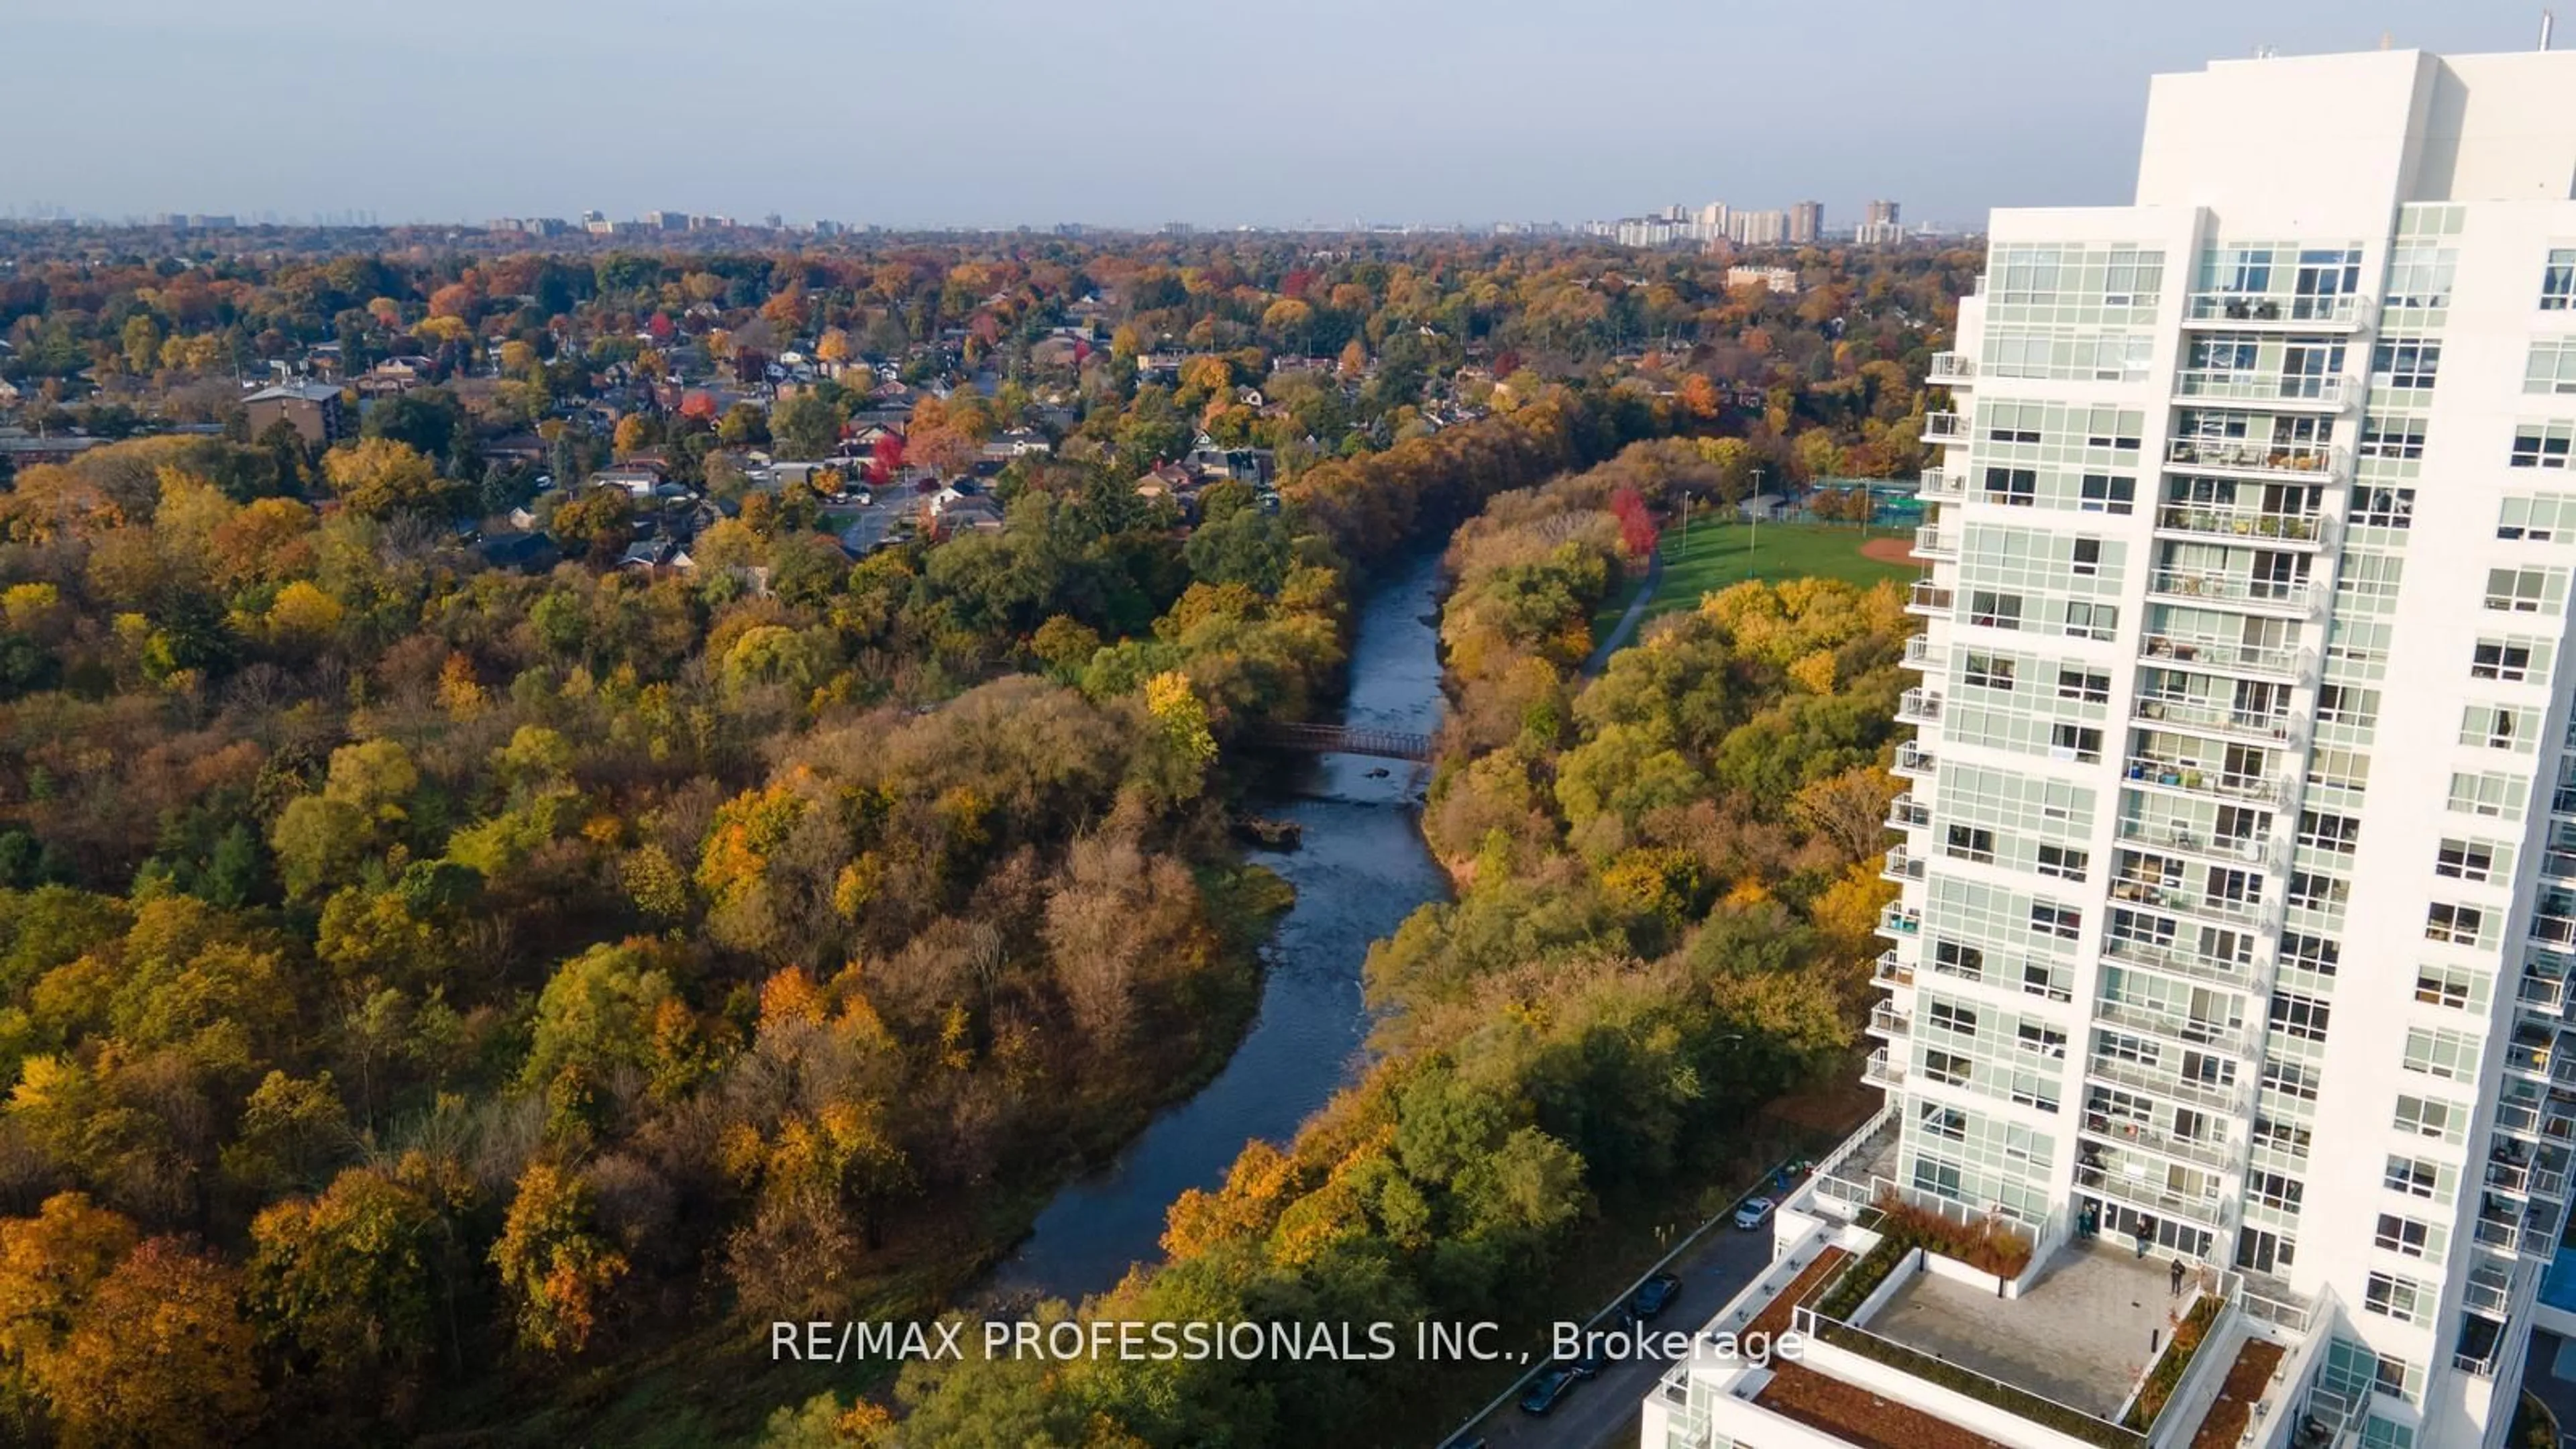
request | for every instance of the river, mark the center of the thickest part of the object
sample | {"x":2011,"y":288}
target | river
{"x":1360,"y":870}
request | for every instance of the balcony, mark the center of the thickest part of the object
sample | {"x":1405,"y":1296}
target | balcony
{"x":2489,"y":1286}
{"x":2235,"y":1040}
{"x":1883,"y":1071}
{"x":1945,"y":427}
{"x":2306,"y":462}
{"x":2243,"y":525}
{"x":1888,"y":1022}
{"x":2164,"y":1082}
{"x":1907,"y":813}
{"x":2210,"y":717}
{"x":2231,"y":656}
{"x":1902,"y":867}
{"x":2174,"y":900}
{"x":2209,"y":1210}
{"x":2341,"y":312}
{"x":2276,"y":598}
{"x":1918,"y":706}
{"x":2251,"y":849}
{"x":2541,"y":990}
{"x":1940,"y":485}
{"x":1930,"y":600}
{"x":1932,"y":543}
{"x":2217,"y":784}
{"x":2219,"y":1155}
{"x":1951,"y":369}
{"x":2192,"y":965}
{"x":1913,"y":762}
{"x":1892,"y":970}
{"x":1901,"y":921}
{"x":2275,"y":390}
{"x":1923,"y":656}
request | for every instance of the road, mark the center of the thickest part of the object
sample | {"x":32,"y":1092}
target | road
{"x":867,"y":524}
{"x":1603,"y":1412}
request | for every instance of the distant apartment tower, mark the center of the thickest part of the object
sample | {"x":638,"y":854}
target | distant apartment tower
{"x":2237,"y":921}
{"x":1806,"y":222}
{"x":1758,"y":228}
{"x":313,"y":409}
{"x":1881,"y":227}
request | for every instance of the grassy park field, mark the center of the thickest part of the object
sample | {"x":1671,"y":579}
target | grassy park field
{"x":1718,"y":554}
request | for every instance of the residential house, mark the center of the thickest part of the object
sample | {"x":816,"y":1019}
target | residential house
{"x":636,"y":478}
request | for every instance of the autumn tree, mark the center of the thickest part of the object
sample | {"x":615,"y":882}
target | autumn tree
{"x":555,"y":1266}
{"x":381,"y":477}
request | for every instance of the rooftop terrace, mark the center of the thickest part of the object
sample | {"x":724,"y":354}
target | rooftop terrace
{"x":2080,"y":1335}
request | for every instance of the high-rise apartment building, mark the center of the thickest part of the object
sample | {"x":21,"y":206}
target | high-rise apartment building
{"x":1758,"y":228}
{"x":2238,"y":869}
{"x":1880,"y":227}
{"x":1806,"y":221}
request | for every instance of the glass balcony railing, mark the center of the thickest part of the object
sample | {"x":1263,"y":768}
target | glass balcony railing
{"x":1907,"y":813}
{"x":1931,"y":542}
{"x":2296,"y":598}
{"x":1886,"y":1021}
{"x":1924,"y":656}
{"x":1900,"y":920}
{"x":2176,"y":900}
{"x":1942,"y":485}
{"x":1902,"y":865}
{"x":1928,"y":598}
{"x":2216,"y":1153}
{"x":2256,"y":848}
{"x":2218,"y":1036}
{"x":2340,"y":309}
{"x":1951,"y":367}
{"x":1919,"y":706}
{"x":2209,"y":1208}
{"x":2308,"y":461}
{"x":2180,"y":961}
{"x":2203,"y":780}
{"x":2277,"y":661}
{"x":2243,"y":525}
{"x":1883,"y":1070}
{"x":1913,"y":762}
{"x":2254,"y":387}
{"x":1945,"y":427}
{"x":2167,"y":1083}
{"x":1892,"y":970}
{"x":2209,"y":716}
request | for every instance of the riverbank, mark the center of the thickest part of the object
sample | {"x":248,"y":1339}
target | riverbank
{"x":1359,"y":869}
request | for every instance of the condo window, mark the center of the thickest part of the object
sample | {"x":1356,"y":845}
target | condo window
{"x":1989,"y":671}
{"x":1950,"y":1016}
{"x":1948,"y":1068}
{"x":2089,"y":686}
{"x":2425,"y":1117}
{"x":2383,"y":507}
{"x":2321,"y":830}
{"x":2076,"y":742}
{"x":2303,"y":1017}
{"x":2464,"y":860}
{"x":2063,"y":922}
{"x":2275,"y":1190}
{"x":1972,"y":843}
{"x":2522,"y":591}
{"x":1991,"y":610}
{"x":1958,"y":960}
{"x":2274,"y":1135}
{"x":2406,"y":363}
{"x":2296,"y":1080}
{"x":1945,"y":1122}
{"x":2490,"y":794}
{"x":2558,"y":280}
{"x":2065,"y":862}
{"x":2046,"y":1041}
{"x":2107,"y":493}
{"x":2392,"y":435}
{"x":2318,"y":954}
{"x":2443,"y":986}
{"x":2402,"y":1235}
{"x":2316,"y":891}
{"x":2399,"y":1298}
{"x":2083,"y":620}
{"x":2496,"y":659}
{"x":2542,"y":445}
{"x":2347,"y":704}
{"x":2115,"y":428}
{"x":2088,"y":556}
{"x":2013,"y":487}
{"x":2454,"y":925}
{"x":2552,"y":368}
{"x":2413,"y":1176}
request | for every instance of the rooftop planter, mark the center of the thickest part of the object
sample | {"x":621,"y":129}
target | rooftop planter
{"x":2170,"y":1368}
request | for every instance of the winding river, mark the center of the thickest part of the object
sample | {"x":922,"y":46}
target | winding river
{"x":1361,"y":869}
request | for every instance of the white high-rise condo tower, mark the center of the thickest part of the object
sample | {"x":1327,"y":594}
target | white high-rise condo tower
{"x":2230,"y":979}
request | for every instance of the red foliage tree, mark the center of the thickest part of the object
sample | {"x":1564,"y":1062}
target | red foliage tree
{"x":885,"y":457}
{"x":1637,"y":530}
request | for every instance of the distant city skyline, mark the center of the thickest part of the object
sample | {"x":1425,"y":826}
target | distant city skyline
{"x":1018,"y":113}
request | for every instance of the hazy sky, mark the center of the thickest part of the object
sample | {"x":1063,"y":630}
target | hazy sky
{"x":999,"y":112}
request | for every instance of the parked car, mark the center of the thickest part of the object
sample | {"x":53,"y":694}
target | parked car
{"x":1543,"y":1395}
{"x":1753,"y":1212}
{"x":1588,"y":1366}
{"x":1656,"y":1294}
